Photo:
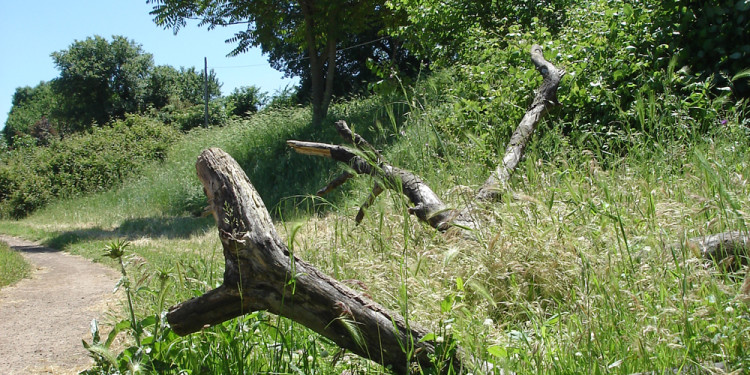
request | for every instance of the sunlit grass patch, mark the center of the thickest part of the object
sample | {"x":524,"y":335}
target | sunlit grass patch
{"x":13,"y":267}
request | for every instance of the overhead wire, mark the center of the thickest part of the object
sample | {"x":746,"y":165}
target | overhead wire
{"x":300,"y":58}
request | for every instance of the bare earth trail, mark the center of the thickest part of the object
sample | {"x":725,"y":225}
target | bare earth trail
{"x":44,"y":318}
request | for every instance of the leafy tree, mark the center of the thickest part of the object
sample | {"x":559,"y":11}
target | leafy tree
{"x":100,"y":80}
{"x":29,"y":105}
{"x":190,"y":85}
{"x":162,"y":86}
{"x":168,"y":85}
{"x":246,"y":100}
{"x":437,"y":29}
{"x":301,"y":35}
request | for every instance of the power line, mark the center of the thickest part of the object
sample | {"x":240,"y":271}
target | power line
{"x":300,"y":58}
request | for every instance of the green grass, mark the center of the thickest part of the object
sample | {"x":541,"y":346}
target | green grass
{"x":581,"y":268}
{"x":572,"y":274}
{"x":13,"y":267}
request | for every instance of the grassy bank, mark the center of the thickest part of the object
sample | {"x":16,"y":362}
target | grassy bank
{"x":573,"y":273}
{"x":581,"y":267}
{"x":12,"y":266}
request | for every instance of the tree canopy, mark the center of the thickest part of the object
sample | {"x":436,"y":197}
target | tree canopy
{"x":302,"y":38}
{"x":100,"y":81}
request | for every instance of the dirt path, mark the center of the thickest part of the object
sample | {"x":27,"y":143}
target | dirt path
{"x":44,"y":318}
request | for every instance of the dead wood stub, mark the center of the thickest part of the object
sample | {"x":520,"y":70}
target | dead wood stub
{"x":261,"y":274}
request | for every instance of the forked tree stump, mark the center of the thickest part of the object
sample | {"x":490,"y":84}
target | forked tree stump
{"x":262,"y":274}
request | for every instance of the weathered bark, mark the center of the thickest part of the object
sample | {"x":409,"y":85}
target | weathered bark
{"x":721,"y":246}
{"x":262,"y":274}
{"x":546,"y":98}
{"x":427,"y":205}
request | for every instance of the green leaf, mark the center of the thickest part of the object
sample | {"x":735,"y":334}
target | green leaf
{"x":94,"y":331}
{"x":498,"y":351}
{"x":743,"y":74}
{"x":119,"y":327}
{"x":148,"y":321}
{"x":428,"y":337}
{"x":447,"y":303}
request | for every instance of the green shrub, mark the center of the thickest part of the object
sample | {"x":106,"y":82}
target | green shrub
{"x":714,"y":37}
{"x":32,"y":176}
{"x":626,"y":81}
{"x":186,"y":117}
{"x":246,"y":100}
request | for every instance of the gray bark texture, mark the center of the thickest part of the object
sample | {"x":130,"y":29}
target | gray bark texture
{"x":427,"y":206}
{"x":722,"y":247}
{"x":262,"y":274}
{"x":364,"y":159}
{"x":546,"y":98}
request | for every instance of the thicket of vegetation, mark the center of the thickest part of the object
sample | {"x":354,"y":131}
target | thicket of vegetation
{"x":573,"y":273}
{"x":32,"y":176}
{"x":109,"y":112}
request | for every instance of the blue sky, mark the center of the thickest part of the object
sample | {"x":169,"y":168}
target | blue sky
{"x":32,"y":30}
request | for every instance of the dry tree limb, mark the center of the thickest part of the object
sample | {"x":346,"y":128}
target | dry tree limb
{"x":376,"y":190}
{"x":546,"y":98}
{"x":336,"y":182}
{"x":262,"y":274}
{"x":722,"y":245}
{"x":427,"y":205}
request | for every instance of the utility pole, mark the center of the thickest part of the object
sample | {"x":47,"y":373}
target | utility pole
{"x":205,"y":89}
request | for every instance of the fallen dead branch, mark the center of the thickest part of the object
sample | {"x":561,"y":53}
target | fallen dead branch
{"x":729,"y":250}
{"x":427,"y":206}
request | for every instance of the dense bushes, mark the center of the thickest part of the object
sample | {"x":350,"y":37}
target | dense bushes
{"x":247,"y":100}
{"x":714,"y":37}
{"x":186,"y":116}
{"x":87,"y":162}
{"x":628,"y":78}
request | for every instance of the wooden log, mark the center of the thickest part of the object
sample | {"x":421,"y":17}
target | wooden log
{"x":262,"y":274}
{"x":721,"y":248}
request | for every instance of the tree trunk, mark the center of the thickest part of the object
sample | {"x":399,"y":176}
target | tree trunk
{"x":262,"y":274}
{"x":322,"y":63}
